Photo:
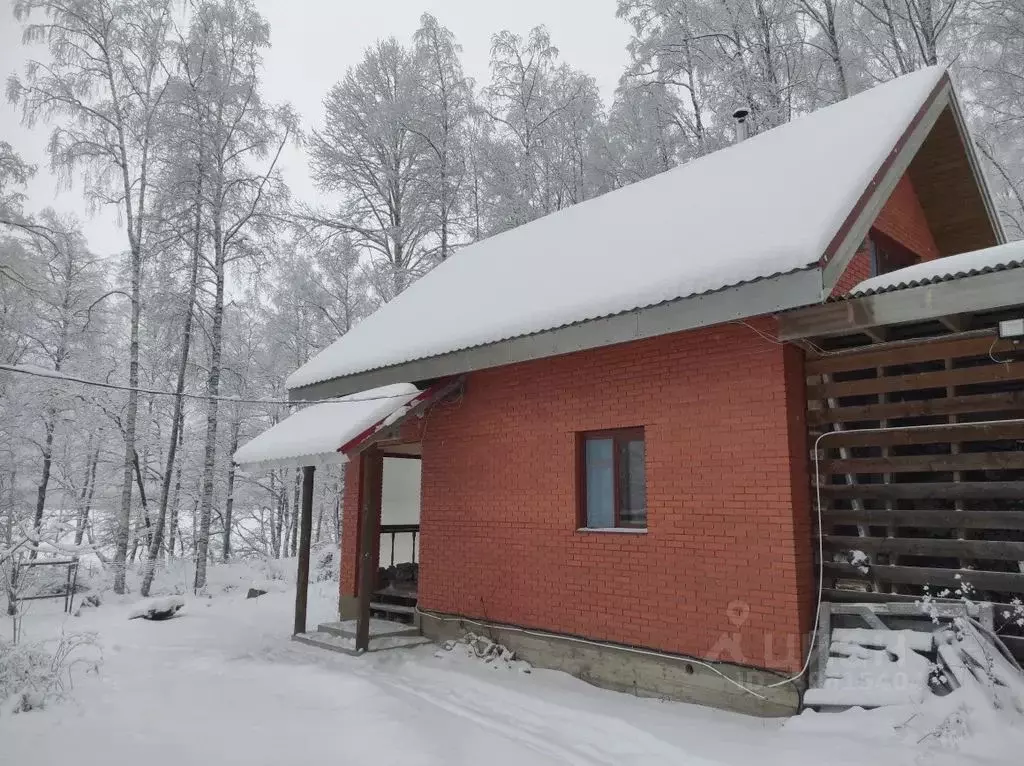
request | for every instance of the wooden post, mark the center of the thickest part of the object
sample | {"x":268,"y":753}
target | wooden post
{"x":370,"y":487}
{"x":305,"y":532}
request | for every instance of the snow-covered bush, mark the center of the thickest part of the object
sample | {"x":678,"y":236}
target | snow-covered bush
{"x":482,"y":648}
{"x":324,"y":563}
{"x":33,"y":675}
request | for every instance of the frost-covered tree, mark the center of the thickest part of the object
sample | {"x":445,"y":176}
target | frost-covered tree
{"x":241,"y":141}
{"x":368,"y":153}
{"x":103,"y":81}
{"x":61,"y":327}
{"x":894,"y":37}
{"x":828,"y":30}
{"x":641,"y":137}
{"x":543,"y":113}
{"x":991,"y":68}
{"x":445,"y":102}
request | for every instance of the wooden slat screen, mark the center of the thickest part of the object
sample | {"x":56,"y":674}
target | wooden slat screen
{"x":922,"y":470}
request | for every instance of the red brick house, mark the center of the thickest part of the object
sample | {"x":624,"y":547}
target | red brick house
{"x":613,"y":439}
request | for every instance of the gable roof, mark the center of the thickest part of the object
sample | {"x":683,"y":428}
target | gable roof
{"x":762,"y":226}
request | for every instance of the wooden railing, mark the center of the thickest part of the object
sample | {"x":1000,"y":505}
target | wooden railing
{"x":392,"y":531}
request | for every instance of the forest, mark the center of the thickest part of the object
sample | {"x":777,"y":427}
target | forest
{"x":127,"y":382}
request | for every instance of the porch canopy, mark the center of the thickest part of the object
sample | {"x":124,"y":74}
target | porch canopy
{"x":329,"y":433}
{"x":325,"y":434}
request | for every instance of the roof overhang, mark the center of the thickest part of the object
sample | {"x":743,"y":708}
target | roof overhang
{"x":764,"y":296}
{"x":348,"y":436}
{"x":947,"y":302}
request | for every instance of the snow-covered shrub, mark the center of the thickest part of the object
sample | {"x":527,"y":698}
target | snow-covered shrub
{"x":482,"y":648}
{"x":324,"y":563}
{"x":158,"y":609}
{"x":33,"y":675}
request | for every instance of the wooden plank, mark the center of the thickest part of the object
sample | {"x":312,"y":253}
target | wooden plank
{"x":371,"y":480}
{"x":305,"y":535}
{"x":842,"y":597}
{"x":1009,"y":520}
{"x":914,"y":546}
{"x":1015,"y":644}
{"x":850,"y":696}
{"x":955,"y":666}
{"x":885,"y":638}
{"x":1007,"y":582}
{"x":964,"y":461}
{"x":924,"y":350}
{"x":1005,"y":401}
{"x":938,"y":434}
{"x":868,"y":615}
{"x":937,"y":490}
{"x":906,"y":608}
{"x":988,"y":373}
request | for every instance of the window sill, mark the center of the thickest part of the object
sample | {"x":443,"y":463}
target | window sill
{"x":613,"y":530}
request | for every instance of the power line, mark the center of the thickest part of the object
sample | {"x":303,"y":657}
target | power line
{"x":40,"y":372}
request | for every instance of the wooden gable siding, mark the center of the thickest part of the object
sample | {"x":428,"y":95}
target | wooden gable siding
{"x":950,"y":196}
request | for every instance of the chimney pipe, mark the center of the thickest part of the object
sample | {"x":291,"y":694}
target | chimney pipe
{"x":742,"y":129}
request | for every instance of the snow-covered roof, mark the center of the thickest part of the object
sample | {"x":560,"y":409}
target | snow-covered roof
{"x":1008,"y":256}
{"x":768,"y":206}
{"x":315,"y":435}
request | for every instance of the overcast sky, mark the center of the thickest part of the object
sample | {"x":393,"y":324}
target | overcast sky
{"x":315,"y":41}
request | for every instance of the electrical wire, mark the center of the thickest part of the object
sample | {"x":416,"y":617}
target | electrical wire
{"x":992,"y":356}
{"x":600,"y":644}
{"x":821,"y":574}
{"x":54,"y":375}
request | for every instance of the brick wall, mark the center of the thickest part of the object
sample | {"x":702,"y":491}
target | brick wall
{"x":902,"y":219}
{"x":858,"y":269}
{"x":350,"y":529}
{"x":727,"y":491}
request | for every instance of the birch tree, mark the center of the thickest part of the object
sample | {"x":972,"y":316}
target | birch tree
{"x":62,"y":316}
{"x":543,"y":112}
{"x":104,"y":81}
{"x":825,"y":16}
{"x":243,"y":139}
{"x":445,"y":102}
{"x":369,"y":153}
{"x":992,"y":70}
{"x":642,"y":136}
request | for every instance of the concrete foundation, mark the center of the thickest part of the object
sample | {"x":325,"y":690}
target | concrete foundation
{"x":348,"y":608}
{"x":645,"y":675}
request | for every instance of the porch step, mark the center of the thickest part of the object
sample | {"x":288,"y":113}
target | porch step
{"x":344,"y":645}
{"x":403,"y":612}
{"x":382,"y":606}
{"x":378,"y":629}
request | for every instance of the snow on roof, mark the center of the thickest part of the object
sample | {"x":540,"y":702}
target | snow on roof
{"x":767,"y":206}
{"x":1008,"y":256}
{"x":314,"y":435}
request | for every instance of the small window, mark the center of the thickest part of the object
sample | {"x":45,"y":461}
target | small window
{"x":613,"y":481}
{"x":888,"y":256}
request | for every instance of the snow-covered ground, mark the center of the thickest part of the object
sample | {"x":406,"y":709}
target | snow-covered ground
{"x":223,"y":684}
